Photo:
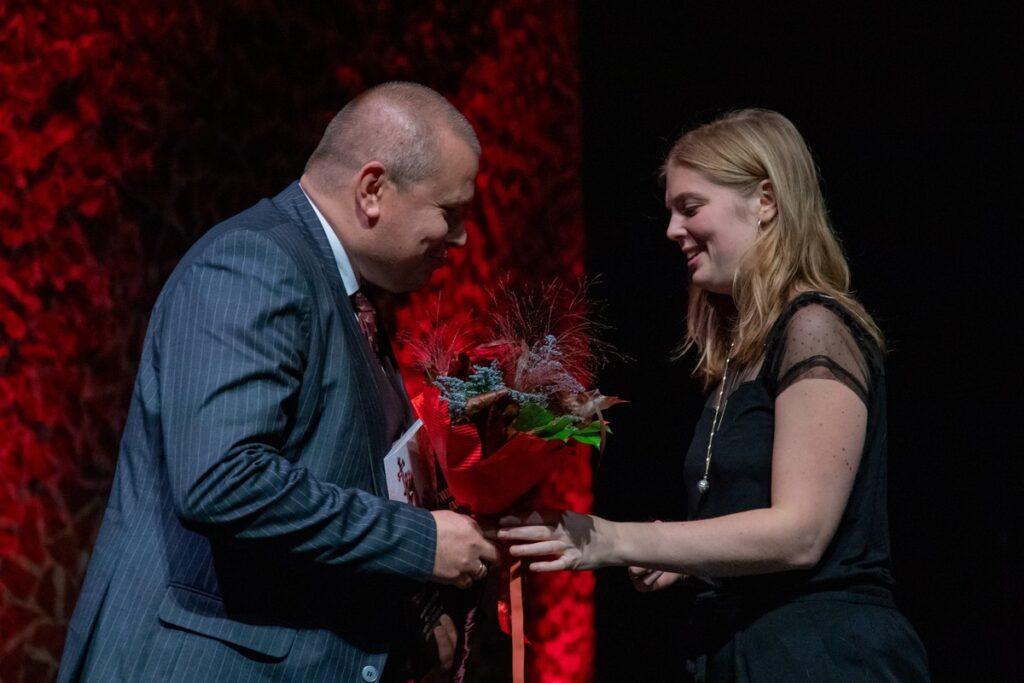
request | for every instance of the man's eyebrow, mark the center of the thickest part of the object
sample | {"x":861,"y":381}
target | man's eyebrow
{"x":459,"y":200}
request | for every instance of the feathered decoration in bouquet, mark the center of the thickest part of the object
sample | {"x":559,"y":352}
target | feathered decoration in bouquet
{"x":530,"y":376}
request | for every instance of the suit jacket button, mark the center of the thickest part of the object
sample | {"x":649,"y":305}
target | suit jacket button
{"x":370,"y":674}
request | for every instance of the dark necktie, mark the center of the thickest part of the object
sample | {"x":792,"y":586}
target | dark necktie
{"x":367,"y":316}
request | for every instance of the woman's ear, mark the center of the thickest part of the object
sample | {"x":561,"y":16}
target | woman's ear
{"x":767,"y":209}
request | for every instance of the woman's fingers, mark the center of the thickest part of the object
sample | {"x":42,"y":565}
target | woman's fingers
{"x":645,"y":580}
{"x":652,"y":578}
{"x":637,"y":573}
{"x":560,"y":564}
{"x":527,"y":533}
{"x":541,"y":549}
{"x":536,"y":517}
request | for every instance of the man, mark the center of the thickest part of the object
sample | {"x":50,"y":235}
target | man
{"x":247,"y":536}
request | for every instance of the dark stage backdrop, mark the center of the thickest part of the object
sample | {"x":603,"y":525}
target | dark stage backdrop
{"x":914,"y":115}
{"x":127,"y":129}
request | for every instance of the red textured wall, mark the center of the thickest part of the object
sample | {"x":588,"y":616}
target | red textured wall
{"x":127,"y":130}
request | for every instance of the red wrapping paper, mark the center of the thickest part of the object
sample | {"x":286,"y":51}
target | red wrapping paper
{"x":490,"y":485}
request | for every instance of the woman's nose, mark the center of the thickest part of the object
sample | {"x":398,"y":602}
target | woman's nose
{"x":676,"y":230}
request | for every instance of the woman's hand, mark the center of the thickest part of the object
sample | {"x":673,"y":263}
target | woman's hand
{"x":568,"y":539}
{"x":647,"y":580}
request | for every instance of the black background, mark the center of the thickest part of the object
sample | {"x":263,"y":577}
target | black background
{"x":912,"y":113}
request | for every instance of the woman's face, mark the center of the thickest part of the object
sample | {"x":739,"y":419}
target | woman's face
{"x":713,"y":224}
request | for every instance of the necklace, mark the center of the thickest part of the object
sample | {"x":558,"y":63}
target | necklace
{"x":703,"y":485}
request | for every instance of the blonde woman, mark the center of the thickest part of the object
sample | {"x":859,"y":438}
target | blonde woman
{"x":787,"y":531}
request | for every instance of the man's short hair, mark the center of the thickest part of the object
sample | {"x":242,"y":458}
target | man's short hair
{"x":398,"y":124}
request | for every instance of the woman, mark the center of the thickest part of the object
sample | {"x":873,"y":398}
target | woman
{"x":785,"y":476}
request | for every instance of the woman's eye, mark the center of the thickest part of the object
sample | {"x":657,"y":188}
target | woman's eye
{"x":690,"y":211}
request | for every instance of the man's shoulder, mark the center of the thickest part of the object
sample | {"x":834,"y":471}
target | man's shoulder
{"x":261,"y":221}
{"x":262,"y":237}
{"x":265,"y":227}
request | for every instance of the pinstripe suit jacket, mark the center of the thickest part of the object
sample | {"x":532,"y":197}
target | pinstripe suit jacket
{"x":246,"y":536}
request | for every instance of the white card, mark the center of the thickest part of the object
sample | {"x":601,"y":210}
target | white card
{"x":398,"y":467}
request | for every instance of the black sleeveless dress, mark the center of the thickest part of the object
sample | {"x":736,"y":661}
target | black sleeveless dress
{"x":835,"y":621}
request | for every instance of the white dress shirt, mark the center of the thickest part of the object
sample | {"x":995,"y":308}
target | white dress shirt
{"x":345,"y":269}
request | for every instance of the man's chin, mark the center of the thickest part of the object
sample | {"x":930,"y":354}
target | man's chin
{"x":405,"y":286}
{"x":410,"y":280}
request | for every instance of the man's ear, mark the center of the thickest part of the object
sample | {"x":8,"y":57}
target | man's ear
{"x":369,"y":185}
{"x":768,"y":209}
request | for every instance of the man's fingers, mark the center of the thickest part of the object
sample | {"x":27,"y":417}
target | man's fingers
{"x":446,"y":637}
{"x":490,"y":553}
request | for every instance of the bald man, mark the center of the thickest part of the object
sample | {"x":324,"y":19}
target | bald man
{"x":248,"y":535}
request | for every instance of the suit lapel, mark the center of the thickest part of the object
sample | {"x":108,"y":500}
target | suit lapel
{"x":363,"y":364}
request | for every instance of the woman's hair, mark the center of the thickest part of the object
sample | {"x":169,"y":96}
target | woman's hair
{"x":796,"y":251}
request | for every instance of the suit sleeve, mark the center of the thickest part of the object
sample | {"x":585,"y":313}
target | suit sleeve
{"x":234,"y":340}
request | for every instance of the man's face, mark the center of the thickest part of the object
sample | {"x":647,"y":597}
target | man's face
{"x":420,"y":222}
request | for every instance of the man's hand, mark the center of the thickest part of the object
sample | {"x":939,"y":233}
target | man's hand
{"x":446,"y":638}
{"x":463,"y":554}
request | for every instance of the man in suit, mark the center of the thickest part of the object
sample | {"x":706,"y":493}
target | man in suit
{"x":248,"y":536}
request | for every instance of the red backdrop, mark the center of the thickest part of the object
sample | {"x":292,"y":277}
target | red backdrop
{"x":125,"y":132}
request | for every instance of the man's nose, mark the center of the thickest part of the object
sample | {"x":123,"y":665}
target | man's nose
{"x":458,"y":236}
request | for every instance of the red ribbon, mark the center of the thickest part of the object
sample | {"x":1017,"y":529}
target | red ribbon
{"x":516,"y":612}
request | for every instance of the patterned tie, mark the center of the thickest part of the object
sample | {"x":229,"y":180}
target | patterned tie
{"x":367,"y":316}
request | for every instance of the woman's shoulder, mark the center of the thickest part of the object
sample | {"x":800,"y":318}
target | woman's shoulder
{"x":815,"y":330}
{"x":811,"y":314}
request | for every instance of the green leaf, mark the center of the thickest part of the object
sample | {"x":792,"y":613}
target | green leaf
{"x":531,"y":417}
{"x":594,"y":441}
{"x":559,"y":428}
{"x":592,"y":428}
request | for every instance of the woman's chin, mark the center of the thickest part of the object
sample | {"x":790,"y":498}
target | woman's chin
{"x":710,"y":286}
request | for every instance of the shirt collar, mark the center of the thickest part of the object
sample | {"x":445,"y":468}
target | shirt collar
{"x":345,"y":269}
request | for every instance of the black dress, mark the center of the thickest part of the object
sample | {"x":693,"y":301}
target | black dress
{"x":836,"y":621}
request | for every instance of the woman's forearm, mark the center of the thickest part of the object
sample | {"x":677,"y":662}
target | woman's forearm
{"x":752,"y":542}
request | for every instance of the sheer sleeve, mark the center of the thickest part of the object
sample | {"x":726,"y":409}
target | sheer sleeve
{"x":817,"y":343}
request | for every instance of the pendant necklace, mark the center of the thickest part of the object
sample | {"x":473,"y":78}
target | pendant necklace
{"x":703,"y":485}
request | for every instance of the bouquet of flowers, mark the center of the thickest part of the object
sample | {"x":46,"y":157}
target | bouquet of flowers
{"x":506,"y":405}
{"x":499,"y":412}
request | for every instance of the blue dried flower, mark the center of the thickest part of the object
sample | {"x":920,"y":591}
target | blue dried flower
{"x":453,"y":390}
{"x":524,"y":398}
{"x":484,"y":379}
